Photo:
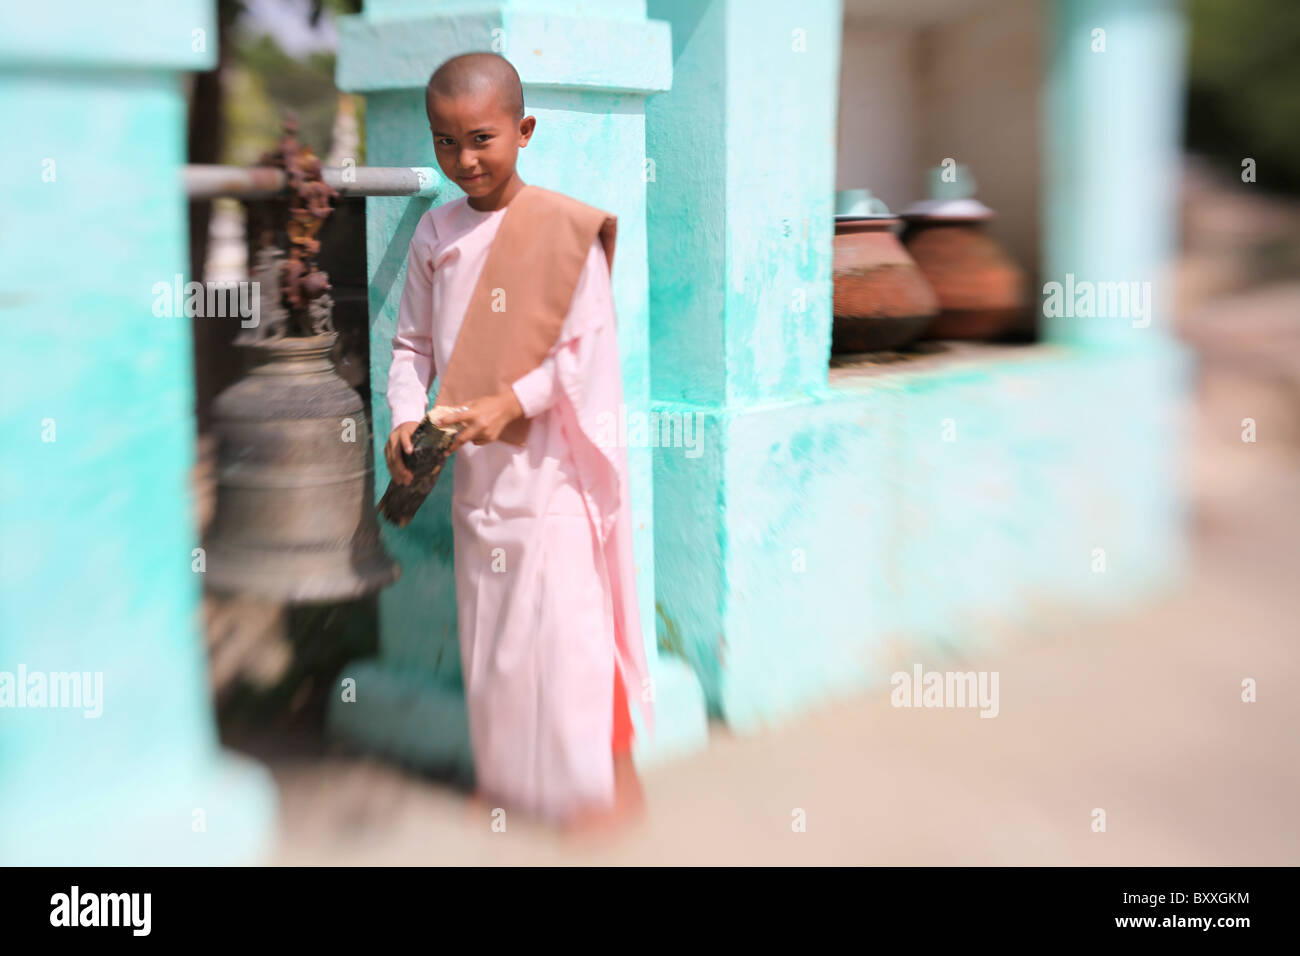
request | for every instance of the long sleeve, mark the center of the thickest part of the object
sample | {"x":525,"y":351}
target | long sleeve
{"x":592,"y":305}
{"x":412,"y":369}
{"x":537,"y":390}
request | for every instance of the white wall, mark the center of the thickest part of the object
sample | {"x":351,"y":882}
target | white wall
{"x":920,"y":83}
{"x":879,"y":110}
{"x":981,"y":80}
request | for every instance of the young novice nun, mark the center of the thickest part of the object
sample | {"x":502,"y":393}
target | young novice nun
{"x":507,"y":300}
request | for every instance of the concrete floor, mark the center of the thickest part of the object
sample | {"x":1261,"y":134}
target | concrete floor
{"x":1138,"y":713}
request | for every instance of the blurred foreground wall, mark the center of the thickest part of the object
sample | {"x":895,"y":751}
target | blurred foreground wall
{"x":108,"y":749}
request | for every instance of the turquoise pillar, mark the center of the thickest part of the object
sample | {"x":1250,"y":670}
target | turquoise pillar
{"x":740,"y":226}
{"x":1113,"y":122}
{"x":740,"y":218}
{"x":1112,"y":158}
{"x":828,"y":529}
{"x":99,"y":581}
{"x":587,"y":70}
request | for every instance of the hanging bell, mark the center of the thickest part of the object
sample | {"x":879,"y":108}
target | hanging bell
{"x":295,"y":515}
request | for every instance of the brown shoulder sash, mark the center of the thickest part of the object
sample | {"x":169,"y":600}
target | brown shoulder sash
{"x":523,"y":294}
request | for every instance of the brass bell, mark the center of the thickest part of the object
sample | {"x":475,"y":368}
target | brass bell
{"x":295,"y":514}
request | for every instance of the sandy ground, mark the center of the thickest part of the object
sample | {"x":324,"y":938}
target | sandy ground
{"x":1137,"y":713}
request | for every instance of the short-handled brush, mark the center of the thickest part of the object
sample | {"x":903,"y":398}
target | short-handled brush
{"x":430,"y":449}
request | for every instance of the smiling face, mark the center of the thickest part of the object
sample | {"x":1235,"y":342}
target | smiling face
{"x":477,"y":142}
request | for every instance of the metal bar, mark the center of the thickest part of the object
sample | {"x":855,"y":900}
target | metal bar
{"x":239,"y":182}
{"x":383,"y":180}
{"x":265,"y":182}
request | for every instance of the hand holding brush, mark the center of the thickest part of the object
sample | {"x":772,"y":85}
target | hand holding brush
{"x":416,"y":454}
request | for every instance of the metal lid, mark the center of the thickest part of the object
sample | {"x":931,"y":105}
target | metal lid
{"x":948,"y":209}
{"x":852,"y":205}
{"x":952,"y":196}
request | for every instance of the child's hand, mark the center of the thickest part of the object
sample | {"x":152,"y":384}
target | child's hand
{"x":485,"y":418}
{"x":399,"y":441}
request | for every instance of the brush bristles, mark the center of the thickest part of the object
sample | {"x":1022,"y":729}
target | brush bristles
{"x":430,"y":449}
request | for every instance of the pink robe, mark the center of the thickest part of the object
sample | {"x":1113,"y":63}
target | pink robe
{"x":545,"y":583}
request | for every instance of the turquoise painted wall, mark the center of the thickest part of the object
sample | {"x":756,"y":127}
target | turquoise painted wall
{"x":783,"y":60}
{"x":852,"y":524}
{"x":97,"y":524}
{"x":823,"y":526}
{"x":570,"y":9}
{"x":740,"y":212}
{"x":686,"y":141}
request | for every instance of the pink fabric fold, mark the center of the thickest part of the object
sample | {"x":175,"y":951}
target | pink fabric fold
{"x":589,"y":371}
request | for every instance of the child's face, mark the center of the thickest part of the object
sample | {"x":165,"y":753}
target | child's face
{"x":476,"y":140}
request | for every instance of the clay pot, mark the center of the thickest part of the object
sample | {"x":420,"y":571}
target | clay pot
{"x":881,"y":299}
{"x":981,"y":290}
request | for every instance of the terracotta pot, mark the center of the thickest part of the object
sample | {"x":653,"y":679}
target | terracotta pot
{"x":882,"y":300}
{"x":981,"y":290}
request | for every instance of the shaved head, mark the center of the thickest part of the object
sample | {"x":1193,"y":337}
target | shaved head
{"x":476,"y":115}
{"x":477,"y":73}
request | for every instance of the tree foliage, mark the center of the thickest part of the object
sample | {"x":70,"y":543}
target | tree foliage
{"x":1244,"y":87}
